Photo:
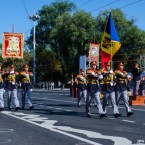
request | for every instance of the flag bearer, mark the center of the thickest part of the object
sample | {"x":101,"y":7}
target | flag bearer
{"x":108,"y":90}
{"x":11,"y":80}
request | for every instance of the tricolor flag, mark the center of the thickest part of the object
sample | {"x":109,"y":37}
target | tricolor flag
{"x":110,"y":43}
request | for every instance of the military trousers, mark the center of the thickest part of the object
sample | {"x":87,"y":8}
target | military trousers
{"x":12,"y":94}
{"x":81,"y":94}
{"x":96,"y":96}
{"x":112,"y":98}
{"x":2,"y":98}
{"x":28,"y":94}
{"x":124,"y":96}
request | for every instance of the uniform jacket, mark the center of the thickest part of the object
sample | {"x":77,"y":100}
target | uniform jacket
{"x":1,"y":79}
{"x":92,"y":79}
{"x":26,"y":79}
{"x":121,"y":80}
{"x":11,"y":80}
{"x":82,"y":82}
{"x":108,"y":81}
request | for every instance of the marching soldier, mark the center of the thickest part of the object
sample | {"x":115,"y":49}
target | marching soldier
{"x":108,"y":90}
{"x":93,"y":89}
{"x":1,"y":88}
{"x":122,"y":87}
{"x":26,"y":77}
{"x":82,"y":86}
{"x":11,"y":80}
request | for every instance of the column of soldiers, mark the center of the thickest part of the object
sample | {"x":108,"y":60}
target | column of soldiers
{"x":9,"y":81}
{"x":112,"y":85}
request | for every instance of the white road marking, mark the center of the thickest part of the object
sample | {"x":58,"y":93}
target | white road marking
{"x":69,"y":110}
{"x":58,"y":108}
{"x":49,"y":124}
{"x":128,"y":121}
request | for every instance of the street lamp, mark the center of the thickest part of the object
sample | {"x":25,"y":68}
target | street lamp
{"x":34,"y":17}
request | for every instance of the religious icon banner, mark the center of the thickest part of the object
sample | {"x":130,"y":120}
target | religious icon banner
{"x":12,"y":46}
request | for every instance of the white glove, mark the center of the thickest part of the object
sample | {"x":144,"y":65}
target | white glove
{"x":3,"y":90}
{"x":31,"y":90}
{"x":26,"y":75}
{"x":111,"y":84}
{"x":100,"y":77}
{"x":111,"y":71}
{"x":12,"y":72}
{"x":13,"y":83}
{"x":93,"y":73}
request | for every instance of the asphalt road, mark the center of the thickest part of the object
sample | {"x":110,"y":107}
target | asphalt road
{"x":56,"y":120}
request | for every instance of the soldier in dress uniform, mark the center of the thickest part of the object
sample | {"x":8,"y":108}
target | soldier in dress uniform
{"x":1,"y":88}
{"x":122,"y":88}
{"x":108,"y":90}
{"x":26,"y":81}
{"x":93,"y":88}
{"x":82,"y":86}
{"x":11,"y":81}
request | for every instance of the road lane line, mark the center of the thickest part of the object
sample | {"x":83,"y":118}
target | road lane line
{"x":128,"y":121}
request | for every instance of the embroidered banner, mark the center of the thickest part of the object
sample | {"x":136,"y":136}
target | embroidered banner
{"x":94,"y":52}
{"x":12,"y":46}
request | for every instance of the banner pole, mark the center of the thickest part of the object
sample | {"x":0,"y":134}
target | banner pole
{"x":12,"y":32}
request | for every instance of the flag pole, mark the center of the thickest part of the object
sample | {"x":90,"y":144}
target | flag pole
{"x":111,"y":55}
{"x":12,"y":32}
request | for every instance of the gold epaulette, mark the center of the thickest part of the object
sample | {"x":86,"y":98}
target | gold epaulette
{"x":16,"y":73}
{"x":30,"y":73}
{"x":79,"y":75}
{"x":22,"y":72}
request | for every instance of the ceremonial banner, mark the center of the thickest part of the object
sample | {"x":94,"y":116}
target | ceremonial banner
{"x":110,"y":43}
{"x":12,"y":46}
{"x":94,"y":52}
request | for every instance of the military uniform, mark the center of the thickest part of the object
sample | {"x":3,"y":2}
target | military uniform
{"x":11,"y":80}
{"x":82,"y":87}
{"x":108,"y":90}
{"x":25,"y":78}
{"x":122,"y":87}
{"x":1,"y":89}
{"x":93,"y":89}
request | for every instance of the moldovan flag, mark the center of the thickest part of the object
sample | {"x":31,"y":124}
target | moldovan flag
{"x":110,"y":41}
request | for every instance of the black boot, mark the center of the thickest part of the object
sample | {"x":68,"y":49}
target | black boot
{"x":129,"y":114}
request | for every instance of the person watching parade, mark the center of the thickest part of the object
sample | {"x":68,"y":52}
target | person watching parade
{"x":26,"y":85}
{"x":108,"y":89}
{"x":1,"y":88}
{"x":82,"y":86}
{"x":122,"y":87}
{"x":136,"y":79}
{"x":11,"y":81}
{"x":93,"y":89}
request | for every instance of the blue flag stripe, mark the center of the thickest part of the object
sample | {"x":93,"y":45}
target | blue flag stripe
{"x":110,"y":29}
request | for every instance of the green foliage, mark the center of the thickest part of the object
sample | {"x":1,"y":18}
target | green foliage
{"x":63,"y":35}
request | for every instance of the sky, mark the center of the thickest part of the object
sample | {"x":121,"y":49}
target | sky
{"x":16,"y":12}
